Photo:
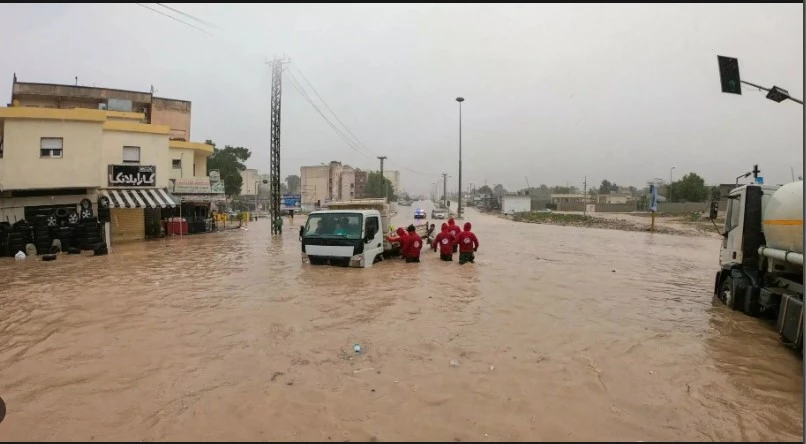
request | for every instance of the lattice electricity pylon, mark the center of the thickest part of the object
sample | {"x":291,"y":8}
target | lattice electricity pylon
{"x":276,"y":99}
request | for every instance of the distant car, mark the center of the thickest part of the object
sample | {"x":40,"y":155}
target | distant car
{"x":439,"y":214}
{"x":419,"y":213}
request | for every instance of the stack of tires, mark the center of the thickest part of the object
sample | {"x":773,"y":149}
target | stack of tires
{"x":5,"y":229}
{"x":89,"y":233}
{"x":67,"y":237}
{"x":18,"y":237}
{"x":42,"y":238}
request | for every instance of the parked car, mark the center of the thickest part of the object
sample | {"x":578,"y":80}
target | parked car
{"x":439,"y":214}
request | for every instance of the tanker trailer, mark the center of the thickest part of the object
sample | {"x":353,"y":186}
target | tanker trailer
{"x":761,"y":258}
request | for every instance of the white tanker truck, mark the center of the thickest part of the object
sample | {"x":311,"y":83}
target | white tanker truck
{"x":761,"y":259}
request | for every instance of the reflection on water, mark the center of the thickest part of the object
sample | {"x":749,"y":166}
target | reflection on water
{"x":560,"y":333}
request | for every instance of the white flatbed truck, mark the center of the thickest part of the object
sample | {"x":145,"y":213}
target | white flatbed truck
{"x":350,"y":233}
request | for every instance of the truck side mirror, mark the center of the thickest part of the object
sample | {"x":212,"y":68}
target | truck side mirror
{"x":714,"y":209}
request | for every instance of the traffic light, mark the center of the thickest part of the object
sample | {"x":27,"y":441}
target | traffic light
{"x":729,"y":75}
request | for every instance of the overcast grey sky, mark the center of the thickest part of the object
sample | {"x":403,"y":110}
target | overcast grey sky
{"x":553,"y":92}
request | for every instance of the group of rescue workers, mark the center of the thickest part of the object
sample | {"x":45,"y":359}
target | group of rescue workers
{"x":448,"y":241}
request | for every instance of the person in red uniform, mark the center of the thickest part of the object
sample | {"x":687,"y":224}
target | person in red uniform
{"x":414,"y":243}
{"x":454,"y":229}
{"x":468,"y":245}
{"x":402,"y":239}
{"x":445,"y":241}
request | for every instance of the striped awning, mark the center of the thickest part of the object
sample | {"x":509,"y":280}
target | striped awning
{"x":140,"y":198}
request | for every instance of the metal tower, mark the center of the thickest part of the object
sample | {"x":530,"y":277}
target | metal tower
{"x":276,"y":98}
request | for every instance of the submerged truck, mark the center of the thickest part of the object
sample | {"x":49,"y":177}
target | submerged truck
{"x":350,"y":233}
{"x":761,"y":259}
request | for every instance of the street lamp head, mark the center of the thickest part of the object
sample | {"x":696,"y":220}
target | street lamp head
{"x":460,"y":99}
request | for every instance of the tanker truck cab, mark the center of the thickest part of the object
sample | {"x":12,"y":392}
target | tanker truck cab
{"x":349,"y":238}
{"x":761,"y":256}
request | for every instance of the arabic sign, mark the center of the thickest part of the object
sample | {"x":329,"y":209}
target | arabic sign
{"x":143,"y":176}
{"x":196,"y":185}
{"x":291,"y":202}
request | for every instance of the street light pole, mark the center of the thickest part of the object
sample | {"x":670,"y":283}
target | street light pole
{"x":670,"y":184}
{"x":459,"y":206}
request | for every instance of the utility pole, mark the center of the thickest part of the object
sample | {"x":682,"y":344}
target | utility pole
{"x":276,"y":99}
{"x":585,"y":196}
{"x":445,"y":189}
{"x":383,"y":179}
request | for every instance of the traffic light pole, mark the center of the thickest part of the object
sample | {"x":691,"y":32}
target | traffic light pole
{"x":768,"y":90}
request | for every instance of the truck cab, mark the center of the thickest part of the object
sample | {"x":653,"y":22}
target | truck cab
{"x":761,"y":256}
{"x":349,"y":238}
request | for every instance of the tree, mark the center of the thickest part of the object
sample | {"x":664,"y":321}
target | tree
{"x":229,"y":162}
{"x":499,"y":190}
{"x":293,"y":182}
{"x":375,"y":186}
{"x":690,"y":188}
{"x":484,"y":189}
{"x":606,"y":187}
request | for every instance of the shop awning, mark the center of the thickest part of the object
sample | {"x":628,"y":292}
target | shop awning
{"x":140,"y":198}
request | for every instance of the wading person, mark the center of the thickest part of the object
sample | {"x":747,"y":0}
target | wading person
{"x":454,"y":229}
{"x":468,"y":245}
{"x":402,"y":238}
{"x":414,"y":245}
{"x":445,"y":242}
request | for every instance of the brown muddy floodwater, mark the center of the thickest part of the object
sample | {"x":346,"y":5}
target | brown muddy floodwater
{"x":227,"y":336}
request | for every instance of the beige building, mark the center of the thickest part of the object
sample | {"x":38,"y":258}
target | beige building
{"x":249,"y":179}
{"x":320,"y":184}
{"x":54,"y":156}
{"x":394,"y":179}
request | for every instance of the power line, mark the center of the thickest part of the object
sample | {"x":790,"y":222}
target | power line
{"x":174,"y":18}
{"x":192,"y":17}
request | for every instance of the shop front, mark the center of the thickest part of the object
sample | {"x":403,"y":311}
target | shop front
{"x":135,"y":204}
{"x":197,"y":196}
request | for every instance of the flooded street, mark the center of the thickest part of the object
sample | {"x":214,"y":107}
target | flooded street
{"x":560,"y":333}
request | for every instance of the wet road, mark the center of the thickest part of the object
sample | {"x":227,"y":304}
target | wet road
{"x":559,"y":333}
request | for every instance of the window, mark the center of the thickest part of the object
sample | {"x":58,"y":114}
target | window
{"x":372,"y":226}
{"x":51,"y":147}
{"x":732,"y":218}
{"x":131,"y":154}
{"x":176,"y":163}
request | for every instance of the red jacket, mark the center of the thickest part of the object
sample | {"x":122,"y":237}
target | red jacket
{"x":414,"y":243}
{"x":401,"y":238}
{"x":445,"y":240}
{"x":467,"y":241}
{"x":453,"y":228}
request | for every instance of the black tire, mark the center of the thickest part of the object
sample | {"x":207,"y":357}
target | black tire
{"x":62,"y":213}
{"x":48,"y":257}
{"x":73,"y":217}
{"x":85,"y":203}
{"x":103,"y":202}
{"x":726,"y":293}
{"x":73,"y":250}
{"x":52,"y":220}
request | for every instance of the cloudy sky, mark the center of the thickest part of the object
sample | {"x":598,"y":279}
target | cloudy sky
{"x":553,"y":92}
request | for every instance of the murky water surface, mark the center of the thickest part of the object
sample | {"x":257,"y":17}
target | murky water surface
{"x":559,"y":333}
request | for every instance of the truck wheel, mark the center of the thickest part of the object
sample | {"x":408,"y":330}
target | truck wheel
{"x":726,"y":293}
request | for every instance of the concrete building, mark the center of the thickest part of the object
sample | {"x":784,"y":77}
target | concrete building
{"x":394,"y":178}
{"x":63,"y":148}
{"x":249,"y":182}
{"x":334,"y":181}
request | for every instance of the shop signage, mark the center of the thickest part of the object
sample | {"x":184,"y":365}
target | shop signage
{"x":142,"y":176}
{"x":196,"y":185}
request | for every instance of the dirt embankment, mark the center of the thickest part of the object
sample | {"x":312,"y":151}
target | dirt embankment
{"x":684,"y":225}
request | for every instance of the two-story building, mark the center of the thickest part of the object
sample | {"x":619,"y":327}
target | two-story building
{"x":65,"y":146}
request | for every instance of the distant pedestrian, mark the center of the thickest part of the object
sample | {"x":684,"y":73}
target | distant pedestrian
{"x":291,"y":213}
{"x":278,"y":225}
{"x":468,"y":245}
